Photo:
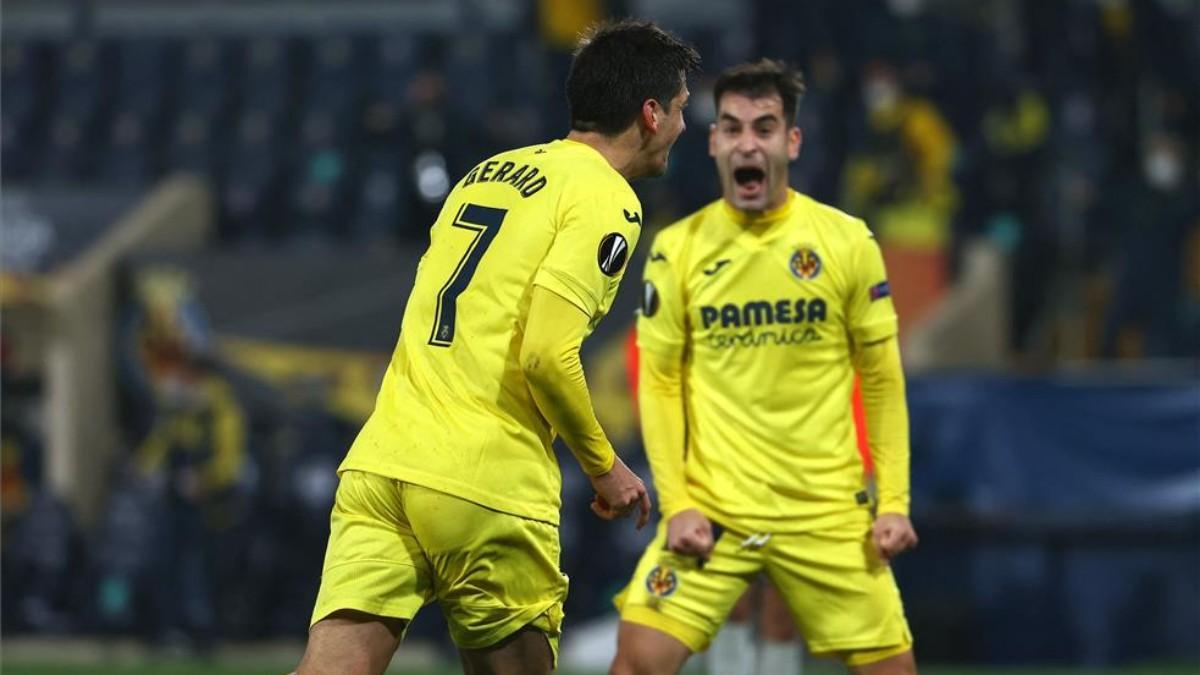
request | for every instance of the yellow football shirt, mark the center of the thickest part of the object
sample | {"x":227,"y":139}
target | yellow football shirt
{"x":454,"y":412}
{"x":764,"y":313}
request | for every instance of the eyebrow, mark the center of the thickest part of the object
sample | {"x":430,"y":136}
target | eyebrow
{"x":769,"y":117}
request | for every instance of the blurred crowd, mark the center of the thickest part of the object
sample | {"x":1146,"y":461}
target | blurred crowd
{"x":1064,"y":132}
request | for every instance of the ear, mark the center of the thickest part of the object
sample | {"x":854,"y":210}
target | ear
{"x":650,"y":112}
{"x":712,"y":139}
{"x":795,"y":139}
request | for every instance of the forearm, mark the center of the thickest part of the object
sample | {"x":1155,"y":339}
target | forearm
{"x":882,"y":381}
{"x":550,"y":360}
{"x":660,"y":404}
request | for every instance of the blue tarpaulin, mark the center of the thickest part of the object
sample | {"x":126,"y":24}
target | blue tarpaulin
{"x":1060,"y":519}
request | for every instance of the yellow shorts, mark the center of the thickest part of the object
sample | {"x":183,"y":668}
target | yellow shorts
{"x":842,"y":597}
{"x":395,"y":546}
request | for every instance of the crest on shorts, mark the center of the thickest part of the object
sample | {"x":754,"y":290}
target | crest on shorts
{"x":661,"y":581}
{"x":805,"y":264}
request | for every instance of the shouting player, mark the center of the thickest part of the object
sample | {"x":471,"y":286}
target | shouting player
{"x":451,"y":491}
{"x":757,"y":312}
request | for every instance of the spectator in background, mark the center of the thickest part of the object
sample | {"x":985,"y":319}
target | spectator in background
{"x":1015,"y":129}
{"x":443,"y":144}
{"x":1153,"y":220}
{"x":20,"y":433}
{"x":193,"y":454}
{"x":898,"y":177}
{"x":39,"y":557}
{"x":818,"y":168}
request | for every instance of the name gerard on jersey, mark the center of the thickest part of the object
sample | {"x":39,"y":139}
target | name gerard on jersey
{"x":523,"y":178}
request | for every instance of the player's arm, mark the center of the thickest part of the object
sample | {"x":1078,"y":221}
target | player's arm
{"x":573,"y":288}
{"x":662,"y":339}
{"x":554,"y":333}
{"x":660,"y":406}
{"x":876,"y":355}
{"x":882,"y":382}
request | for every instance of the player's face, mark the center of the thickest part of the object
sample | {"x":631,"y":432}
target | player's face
{"x":670,"y":126}
{"x":752,"y":144}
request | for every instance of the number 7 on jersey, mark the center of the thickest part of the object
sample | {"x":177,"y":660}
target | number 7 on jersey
{"x":485,"y":222}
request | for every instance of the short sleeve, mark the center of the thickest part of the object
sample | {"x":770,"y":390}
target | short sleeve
{"x":870,"y":312}
{"x":661,"y":326}
{"x":590,"y":250}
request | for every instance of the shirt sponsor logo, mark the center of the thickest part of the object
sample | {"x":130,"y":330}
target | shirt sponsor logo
{"x":611,"y":256}
{"x":755,"y":322}
{"x":805,"y":264}
{"x":763,"y":338}
{"x":763,"y":313}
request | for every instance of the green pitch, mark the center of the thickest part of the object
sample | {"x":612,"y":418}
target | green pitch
{"x":203,"y":669}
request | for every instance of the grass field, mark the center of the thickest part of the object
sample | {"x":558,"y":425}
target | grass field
{"x":212,"y":669}
{"x":58,"y":656}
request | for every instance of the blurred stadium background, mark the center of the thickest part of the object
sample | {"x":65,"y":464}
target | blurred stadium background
{"x":212,"y":212}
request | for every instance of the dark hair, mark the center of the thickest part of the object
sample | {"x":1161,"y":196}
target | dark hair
{"x":617,"y":67}
{"x":763,"y":78}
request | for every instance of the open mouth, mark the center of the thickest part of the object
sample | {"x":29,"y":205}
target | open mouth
{"x":750,"y":181}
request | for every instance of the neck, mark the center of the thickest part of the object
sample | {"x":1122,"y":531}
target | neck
{"x":754,"y":218}
{"x":621,"y":151}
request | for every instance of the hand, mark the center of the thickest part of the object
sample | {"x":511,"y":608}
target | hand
{"x":690,"y":533}
{"x":618,"y":493}
{"x":892,"y":535}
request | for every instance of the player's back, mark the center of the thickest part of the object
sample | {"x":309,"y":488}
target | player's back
{"x":455,"y":412}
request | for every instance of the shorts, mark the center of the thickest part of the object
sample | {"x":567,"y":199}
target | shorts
{"x":841,"y":595}
{"x":395,"y":546}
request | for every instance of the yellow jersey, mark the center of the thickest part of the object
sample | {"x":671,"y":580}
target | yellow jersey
{"x":763,"y":312}
{"x":454,"y":412}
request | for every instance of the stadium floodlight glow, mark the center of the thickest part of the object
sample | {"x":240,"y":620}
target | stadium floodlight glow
{"x":433,"y":182}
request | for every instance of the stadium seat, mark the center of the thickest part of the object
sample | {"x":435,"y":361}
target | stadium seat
{"x":383,"y":195}
{"x":267,"y":74}
{"x":191,"y":145}
{"x":83,"y":76}
{"x":20,"y":108}
{"x":68,"y":153}
{"x":209,"y":76}
{"x":335,"y":80}
{"x":128,"y":160}
{"x":249,"y":189}
{"x":143,"y":76}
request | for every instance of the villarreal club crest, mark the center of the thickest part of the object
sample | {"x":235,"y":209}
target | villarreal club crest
{"x":805,"y":264}
{"x":661,"y":581}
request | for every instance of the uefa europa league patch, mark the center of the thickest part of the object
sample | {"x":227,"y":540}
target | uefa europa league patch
{"x":649,"y":299}
{"x":611,"y":256}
